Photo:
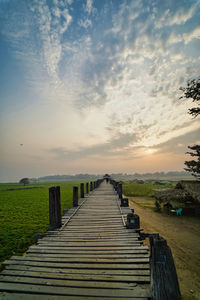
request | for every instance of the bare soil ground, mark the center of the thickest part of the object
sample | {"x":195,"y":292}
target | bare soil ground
{"x":182,"y":235}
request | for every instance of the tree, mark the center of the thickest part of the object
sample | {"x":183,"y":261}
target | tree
{"x":192,"y":90}
{"x":193,"y":166}
{"x":24,"y":181}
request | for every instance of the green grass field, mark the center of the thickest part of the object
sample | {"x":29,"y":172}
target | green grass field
{"x":24,"y":211}
{"x":140,"y":190}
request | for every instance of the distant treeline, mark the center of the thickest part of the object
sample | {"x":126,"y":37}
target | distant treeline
{"x":156,"y":175}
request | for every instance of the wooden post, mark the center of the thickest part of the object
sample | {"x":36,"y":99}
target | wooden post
{"x":120,"y":190}
{"x":133,"y":221}
{"x":91,"y":186}
{"x":124,"y":202}
{"x":75,"y":196}
{"x":164,"y":281}
{"x":82,"y":190}
{"x":87,"y":188}
{"x":52,"y":200}
{"x":94,"y":183}
{"x":58,"y":207}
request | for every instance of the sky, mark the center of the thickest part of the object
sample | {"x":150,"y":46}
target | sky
{"x":93,"y":86}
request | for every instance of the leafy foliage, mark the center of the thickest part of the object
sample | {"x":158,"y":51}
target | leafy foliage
{"x":24,"y":181}
{"x":192,"y":90}
{"x":193,"y":166}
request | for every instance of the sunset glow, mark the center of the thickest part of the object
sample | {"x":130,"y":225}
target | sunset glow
{"x":93,"y":86}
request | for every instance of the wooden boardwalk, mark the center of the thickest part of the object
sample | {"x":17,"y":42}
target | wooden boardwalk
{"x":93,"y":256}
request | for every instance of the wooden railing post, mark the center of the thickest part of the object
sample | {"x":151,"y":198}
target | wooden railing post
{"x":87,"y":188}
{"x":82,"y":190}
{"x":58,"y":207}
{"x":52,"y":199}
{"x":91,"y":186}
{"x":120,"y":190}
{"x":75,"y":196}
{"x":54,"y":208}
{"x":164,"y":280}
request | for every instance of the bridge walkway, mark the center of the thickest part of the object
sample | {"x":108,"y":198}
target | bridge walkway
{"x":93,"y":256}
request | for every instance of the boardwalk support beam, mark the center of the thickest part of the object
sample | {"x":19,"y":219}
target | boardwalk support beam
{"x":124,"y":202}
{"x":164,"y":280}
{"x":75,"y":196}
{"x":120,"y":190}
{"x":133,"y":221}
{"x":82,"y":190}
{"x":54,"y":208}
{"x":87,"y":188}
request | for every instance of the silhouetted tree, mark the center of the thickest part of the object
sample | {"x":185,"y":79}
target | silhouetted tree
{"x":24,"y":181}
{"x":193,"y":166}
{"x":192,"y":90}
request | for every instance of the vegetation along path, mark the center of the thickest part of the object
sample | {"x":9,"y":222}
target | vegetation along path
{"x":92,"y":255}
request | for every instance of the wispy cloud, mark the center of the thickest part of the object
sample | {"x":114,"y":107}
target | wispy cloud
{"x":113,"y":147}
{"x":89,"y":6}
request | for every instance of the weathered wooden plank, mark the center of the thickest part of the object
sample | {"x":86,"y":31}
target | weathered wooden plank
{"x":89,"y":234}
{"x":72,"y":265}
{"x":68,"y":291}
{"x":98,"y":226}
{"x":119,"y":272}
{"x":80,"y":260}
{"x":92,"y":256}
{"x":68,"y":282}
{"x":25,"y":296}
{"x":89,"y":239}
{"x":91,"y":277}
{"x":82,"y":244}
{"x":89,"y":248}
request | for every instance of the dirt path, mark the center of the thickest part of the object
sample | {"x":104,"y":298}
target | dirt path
{"x":183,"y":236}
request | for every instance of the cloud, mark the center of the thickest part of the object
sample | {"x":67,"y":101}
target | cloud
{"x":122,"y":62}
{"x":85,"y":23}
{"x":89,"y":6}
{"x":178,"y":145}
{"x":37,"y":41}
{"x":194,"y":34}
{"x":114,"y":147}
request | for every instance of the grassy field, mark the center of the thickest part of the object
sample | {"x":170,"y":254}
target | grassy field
{"x":24,"y":211}
{"x":140,"y":190}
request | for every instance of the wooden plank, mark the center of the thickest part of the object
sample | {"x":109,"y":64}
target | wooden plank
{"x":98,"y":226}
{"x":80,"y":260}
{"x":90,"y":244}
{"x":67,"y":282}
{"x":25,"y":296}
{"x":82,"y":244}
{"x":68,"y":291}
{"x":119,"y":272}
{"x":87,"y":239}
{"x":86,"y":248}
{"x":93,"y":265}
{"x":93,"y":256}
{"x":91,"y":277}
{"x":88,"y":234}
